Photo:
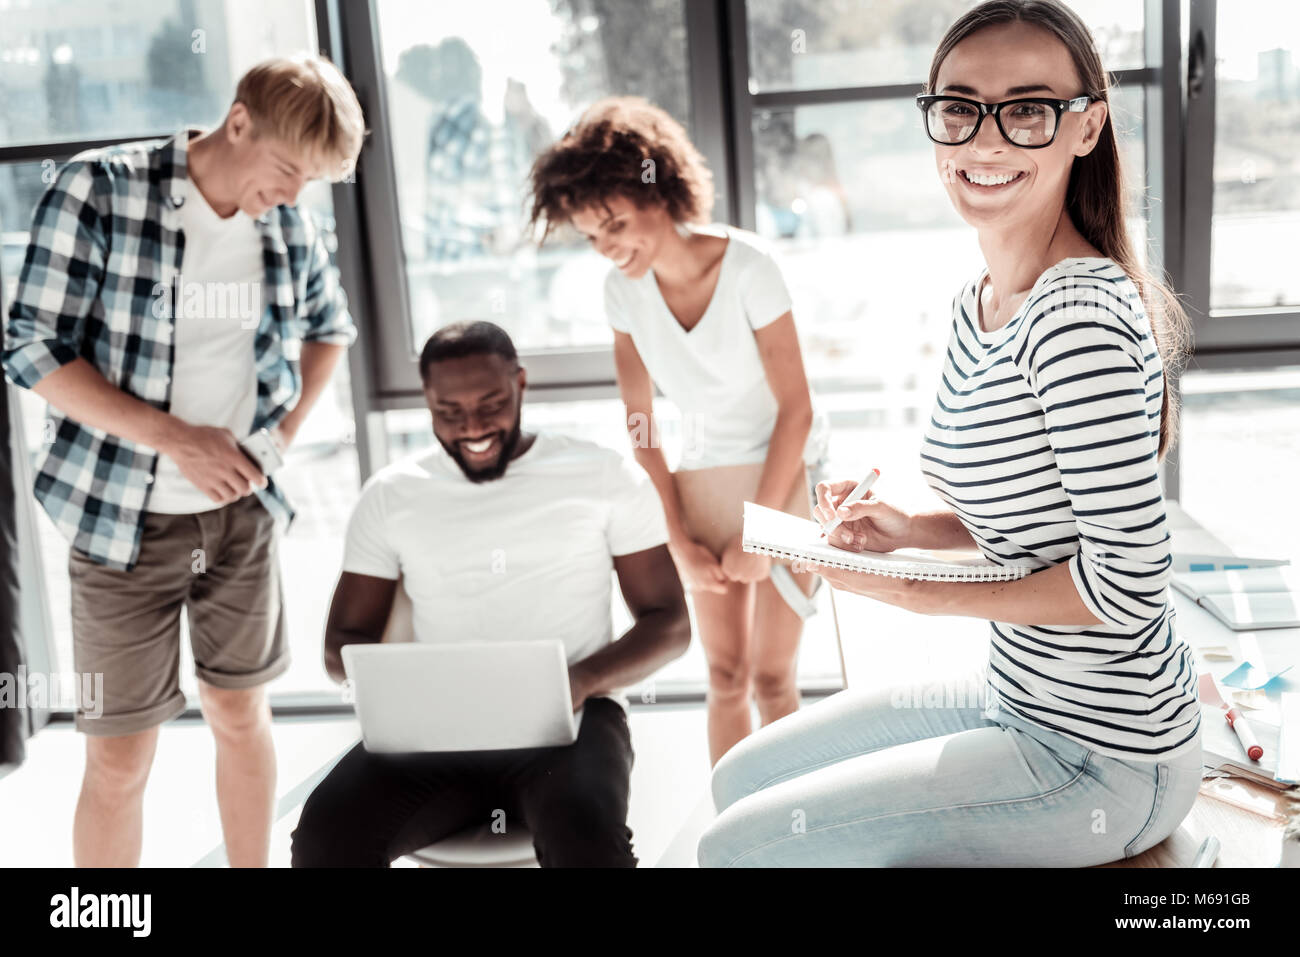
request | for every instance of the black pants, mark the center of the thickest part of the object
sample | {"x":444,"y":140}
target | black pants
{"x":374,"y":808}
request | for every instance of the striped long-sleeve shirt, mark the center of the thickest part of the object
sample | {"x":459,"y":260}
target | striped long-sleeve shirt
{"x":1043,"y":441}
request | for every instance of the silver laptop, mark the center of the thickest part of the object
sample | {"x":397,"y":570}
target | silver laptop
{"x":475,"y":696}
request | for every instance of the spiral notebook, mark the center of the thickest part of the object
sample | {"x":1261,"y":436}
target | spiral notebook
{"x":770,"y":532}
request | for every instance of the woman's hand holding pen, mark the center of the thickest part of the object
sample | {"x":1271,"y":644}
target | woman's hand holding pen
{"x":868,"y":525}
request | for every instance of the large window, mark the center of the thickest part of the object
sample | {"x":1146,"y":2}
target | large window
{"x":1241,"y":142}
{"x":833,"y":44}
{"x":1256,"y":227}
{"x":842,"y":181}
{"x":474,"y":92}
{"x":77,"y":70}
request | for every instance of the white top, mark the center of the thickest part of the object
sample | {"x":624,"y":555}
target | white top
{"x":713,"y":373}
{"x":1043,"y":441}
{"x":528,"y":556}
{"x":218,"y":306}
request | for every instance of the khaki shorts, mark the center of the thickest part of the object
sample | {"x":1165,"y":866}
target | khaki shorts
{"x":222,"y":566}
{"x":713,"y":501}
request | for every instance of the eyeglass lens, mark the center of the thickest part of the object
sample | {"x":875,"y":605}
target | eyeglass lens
{"x":1024,"y":124}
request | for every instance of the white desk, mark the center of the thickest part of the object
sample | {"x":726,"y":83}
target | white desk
{"x":1272,"y":647}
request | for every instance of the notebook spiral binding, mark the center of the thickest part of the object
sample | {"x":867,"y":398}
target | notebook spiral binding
{"x":917,"y":572}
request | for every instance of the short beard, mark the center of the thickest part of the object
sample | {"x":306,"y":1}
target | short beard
{"x":509,"y":443}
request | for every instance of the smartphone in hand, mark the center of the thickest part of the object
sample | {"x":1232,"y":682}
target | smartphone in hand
{"x":260,"y":447}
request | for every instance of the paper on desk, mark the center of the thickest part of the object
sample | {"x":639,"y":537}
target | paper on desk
{"x":1251,"y":678}
{"x":1208,"y":691}
{"x":1255,"y":699}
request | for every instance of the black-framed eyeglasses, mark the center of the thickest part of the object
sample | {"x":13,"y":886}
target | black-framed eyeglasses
{"x":1029,"y":123}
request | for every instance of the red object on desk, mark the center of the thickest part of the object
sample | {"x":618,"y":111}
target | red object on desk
{"x":1235,"y":721}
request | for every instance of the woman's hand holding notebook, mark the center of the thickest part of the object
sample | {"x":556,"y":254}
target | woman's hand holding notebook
{"x":781,"y":535}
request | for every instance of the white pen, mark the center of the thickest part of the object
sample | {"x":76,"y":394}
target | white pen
{"x":1244,"y":734}
{"x":863,"y":488}
{"x":1209,"y":850}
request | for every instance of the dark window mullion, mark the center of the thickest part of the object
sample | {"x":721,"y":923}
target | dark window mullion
{"x":744,"y":190}
{"x":1163,"y":99}
{"x":385,"y":259}
{"x":1198,"y":172}
{"x":1163,"y":102}
{"x":350,"y":257}
{"x":63,"y":150}
{"x":710,"y":122}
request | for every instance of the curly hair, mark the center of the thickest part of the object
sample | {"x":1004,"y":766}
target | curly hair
{"x":621,"y":146}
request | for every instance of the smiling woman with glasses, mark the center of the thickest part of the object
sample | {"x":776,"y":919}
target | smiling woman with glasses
{"x":1079,"y":741}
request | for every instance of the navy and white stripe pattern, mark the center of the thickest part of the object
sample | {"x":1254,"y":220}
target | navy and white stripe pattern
{"x":1043,"y":441}
{"x":105,"y":247}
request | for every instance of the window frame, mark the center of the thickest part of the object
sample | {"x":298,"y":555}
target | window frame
{"x":1216,"y":330}
{"x":349,"y":36}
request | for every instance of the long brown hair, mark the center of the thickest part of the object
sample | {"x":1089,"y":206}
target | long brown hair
{"x":1095,"y":197}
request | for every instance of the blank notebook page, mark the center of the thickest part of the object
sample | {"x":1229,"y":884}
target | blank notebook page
{"x":781,"y":535}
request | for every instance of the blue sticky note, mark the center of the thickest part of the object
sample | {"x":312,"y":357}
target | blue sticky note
{"x":1248,"y":677}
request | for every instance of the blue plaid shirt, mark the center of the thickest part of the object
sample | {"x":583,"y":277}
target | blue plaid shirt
{"x":105,"y":240}
{"x":475,"y":183}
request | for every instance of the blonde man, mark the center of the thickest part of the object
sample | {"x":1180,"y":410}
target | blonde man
{"x":173,"y":301}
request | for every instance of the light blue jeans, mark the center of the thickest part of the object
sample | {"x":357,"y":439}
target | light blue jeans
{"x":909,"y":778}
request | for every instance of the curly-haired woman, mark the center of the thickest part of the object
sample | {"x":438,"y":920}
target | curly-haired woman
{"x":702,"y":312}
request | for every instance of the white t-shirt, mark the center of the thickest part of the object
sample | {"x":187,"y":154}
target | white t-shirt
{"x":526,"y":557}
{"x":218,"y":305}
{"x":713,"y":373}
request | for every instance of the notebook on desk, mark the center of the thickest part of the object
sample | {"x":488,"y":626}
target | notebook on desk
{"x":1221,"y":749}
{"x":1246,"y":599}
{"x":781,"y":535}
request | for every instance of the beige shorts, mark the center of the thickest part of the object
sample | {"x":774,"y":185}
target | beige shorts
{"x":713,"y":501}
{"x":222,"y":566}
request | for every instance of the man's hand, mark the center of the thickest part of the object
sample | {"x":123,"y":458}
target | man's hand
{"x":212,"y":459}
{"x":580,"y":687}
{"x":742,"y":566}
